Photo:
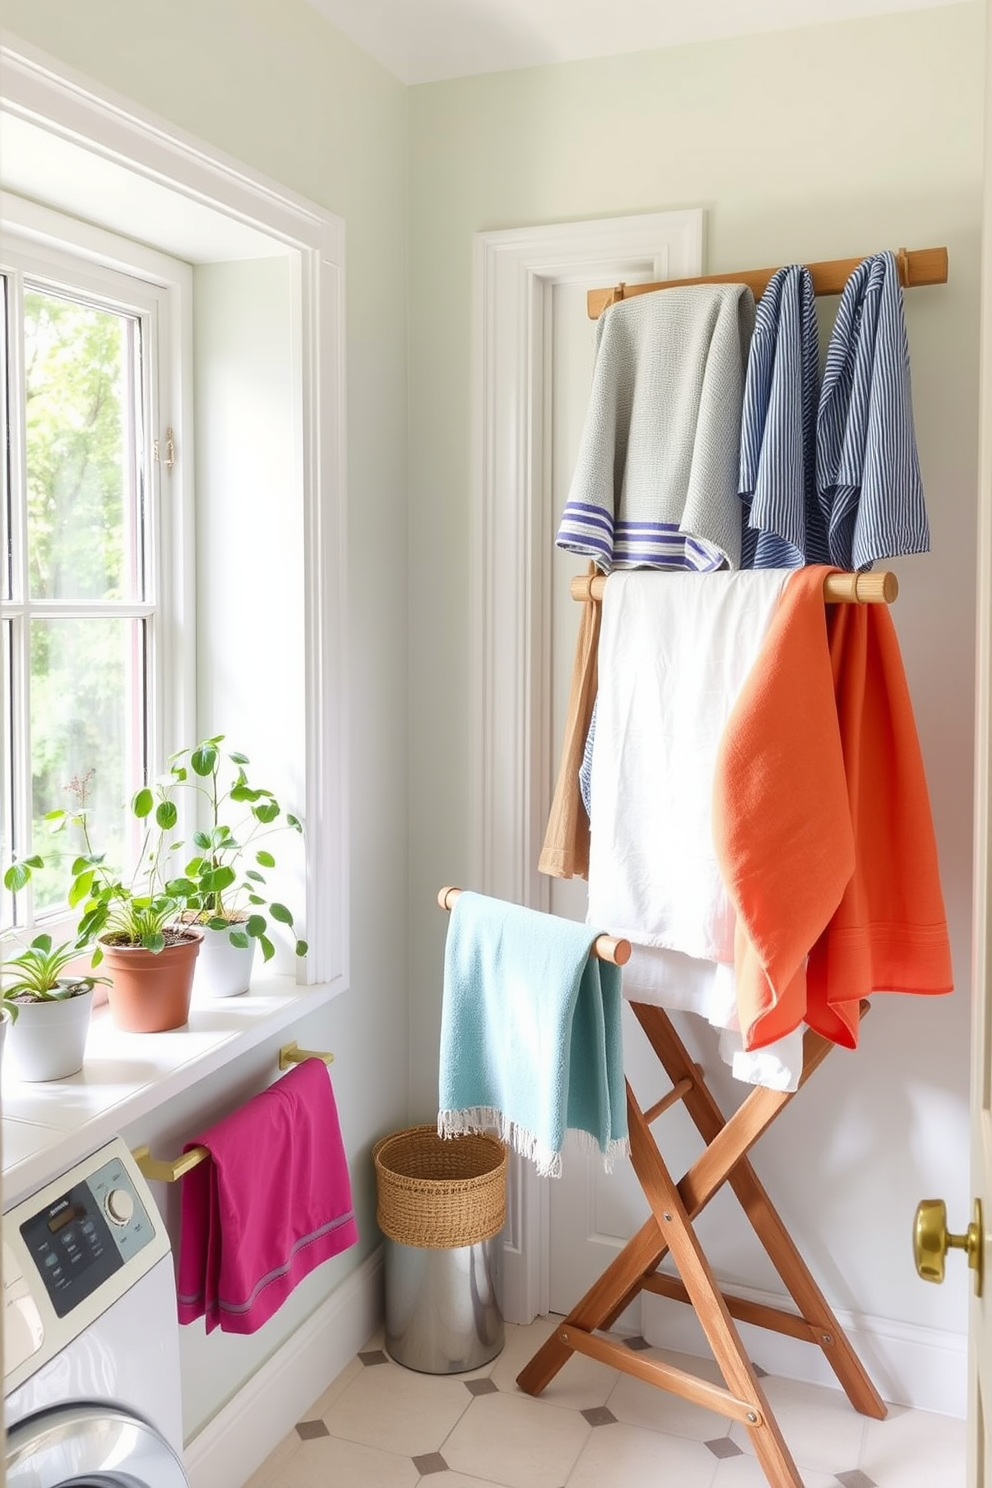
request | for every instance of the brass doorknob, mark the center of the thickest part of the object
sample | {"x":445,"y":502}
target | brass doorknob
{"x":932,"y":1241}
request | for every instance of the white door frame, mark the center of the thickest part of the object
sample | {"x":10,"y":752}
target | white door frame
{"x":512,"y":748}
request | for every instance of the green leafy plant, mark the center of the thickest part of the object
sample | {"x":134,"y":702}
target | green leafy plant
{"x":134,"y":912}
{"x":37,"y":974}
{"x":221,"y":887}
{"x":224,"y":886}
{"x":131,"y":912}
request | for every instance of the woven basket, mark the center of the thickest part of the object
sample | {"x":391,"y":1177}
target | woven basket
{"x":440,"y":1192}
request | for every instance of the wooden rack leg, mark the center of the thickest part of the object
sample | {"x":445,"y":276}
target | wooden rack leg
{"x":675,"y":1224}
{"x":674,"y":1207}
{"x":670,"y":1227}
{"x":627,"y":1273}
{"x":764,"y":1218}
{"x":602,"y":1304}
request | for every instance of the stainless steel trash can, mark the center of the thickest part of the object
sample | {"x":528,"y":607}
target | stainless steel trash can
{"x":441,"y":1206}
{"x":442,"y":1309}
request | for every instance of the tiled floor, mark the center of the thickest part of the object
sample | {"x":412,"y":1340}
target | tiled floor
{"x":382,"y":1426}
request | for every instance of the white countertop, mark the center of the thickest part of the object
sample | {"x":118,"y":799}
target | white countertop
{"x":48,"y":1126}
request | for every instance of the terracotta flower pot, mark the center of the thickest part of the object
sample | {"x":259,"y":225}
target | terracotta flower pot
{"x":150,"y":991}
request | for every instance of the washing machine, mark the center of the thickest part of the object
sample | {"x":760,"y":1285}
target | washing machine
{"x":91,"y":1339}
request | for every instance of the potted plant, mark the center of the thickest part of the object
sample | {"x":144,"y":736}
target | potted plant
{"x":133,"y":926}
{"x":223,"y":888}
{"x":49,"y":1012}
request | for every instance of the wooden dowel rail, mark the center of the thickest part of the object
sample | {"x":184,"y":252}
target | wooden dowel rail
{"x":677,"y":1093}
{"x":605,"y":947}
{"x":918,"y":267}
{"x":170,"y":1170}
{"x":838,"y":588}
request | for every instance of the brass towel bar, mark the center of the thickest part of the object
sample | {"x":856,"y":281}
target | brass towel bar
{"x":605,"y":947}
{"x":162,"y":1170}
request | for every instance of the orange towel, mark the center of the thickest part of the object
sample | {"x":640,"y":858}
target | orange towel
{"x":822,"y":823}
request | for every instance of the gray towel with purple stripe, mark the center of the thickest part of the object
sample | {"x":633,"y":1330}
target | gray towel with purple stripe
{"x":656,"y":478}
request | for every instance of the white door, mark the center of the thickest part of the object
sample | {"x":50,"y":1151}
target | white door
{"x":980,"y":1324}
{"x":980,"y":1320}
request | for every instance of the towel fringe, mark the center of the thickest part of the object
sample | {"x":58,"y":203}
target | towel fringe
{"x":616,"y":1150}
{"x":490,"y":1119}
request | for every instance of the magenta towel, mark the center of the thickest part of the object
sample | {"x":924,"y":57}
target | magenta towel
{"x":271,"y":1202}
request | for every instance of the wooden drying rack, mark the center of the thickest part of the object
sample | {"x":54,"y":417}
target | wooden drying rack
{"x":675,"y":1205}
{"x":670,"y":1231}
{"x":917,"y":268}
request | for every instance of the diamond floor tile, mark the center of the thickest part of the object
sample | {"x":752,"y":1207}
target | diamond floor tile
{"x":382,"y":1426}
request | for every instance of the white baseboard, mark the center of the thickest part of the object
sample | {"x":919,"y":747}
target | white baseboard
{"x":235,"y":1443}
{"x":924,"y":1368}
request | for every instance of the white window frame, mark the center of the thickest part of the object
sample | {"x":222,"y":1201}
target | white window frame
{"x":47,"y":246}
{"x":155,"y":158}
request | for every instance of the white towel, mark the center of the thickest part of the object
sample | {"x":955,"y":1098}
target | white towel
{"x":673,"y":654}
{"x":709,"y":988}
{"x":674,"y":650}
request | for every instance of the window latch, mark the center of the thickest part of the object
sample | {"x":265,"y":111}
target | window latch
{"x":170,"y":451}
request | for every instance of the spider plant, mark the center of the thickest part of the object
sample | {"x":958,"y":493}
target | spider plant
{"x":35,"y":974}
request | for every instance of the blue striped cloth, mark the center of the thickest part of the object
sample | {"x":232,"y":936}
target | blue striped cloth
{"x":867,"y":467}
{"x":615,"y":543}
{"x":782,"y":523}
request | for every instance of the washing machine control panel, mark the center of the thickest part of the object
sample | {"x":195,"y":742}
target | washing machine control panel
{"x":81,"y":1237}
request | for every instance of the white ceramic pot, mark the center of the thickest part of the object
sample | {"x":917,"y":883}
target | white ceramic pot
{"x":222,"y":969}
{"x":48,"y":1039}
{"x":5,"y":1022}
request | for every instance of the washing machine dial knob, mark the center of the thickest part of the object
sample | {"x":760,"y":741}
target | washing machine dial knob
{"x":119,"y":1206}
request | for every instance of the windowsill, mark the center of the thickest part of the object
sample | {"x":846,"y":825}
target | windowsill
{"x":49,"y":1126}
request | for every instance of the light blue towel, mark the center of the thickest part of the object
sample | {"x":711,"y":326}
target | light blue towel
{"x":531,"y":1041}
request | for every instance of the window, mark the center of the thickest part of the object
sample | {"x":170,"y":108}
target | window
{"x":89,"y":565}
{"x":70,"y":149}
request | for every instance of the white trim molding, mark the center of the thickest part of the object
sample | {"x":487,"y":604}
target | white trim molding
{"x":516,"y":272}
{"x":920,"y":1367}
{"x":229,"y":1449}
{"x":112,"y":135}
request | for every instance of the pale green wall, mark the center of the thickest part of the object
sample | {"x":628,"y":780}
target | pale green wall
{"x":827,"y":142}
{"x":832,"y":141}
{"x":270,"y":84}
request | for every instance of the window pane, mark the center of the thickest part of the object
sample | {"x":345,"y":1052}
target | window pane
{"x":80,"y":364}
{"x":6,"y":583}
{"x":6,"y":774}
{"x":87,"y":731}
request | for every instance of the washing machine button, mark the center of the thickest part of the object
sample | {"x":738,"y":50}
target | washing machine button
{"x":119,"y":1206}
